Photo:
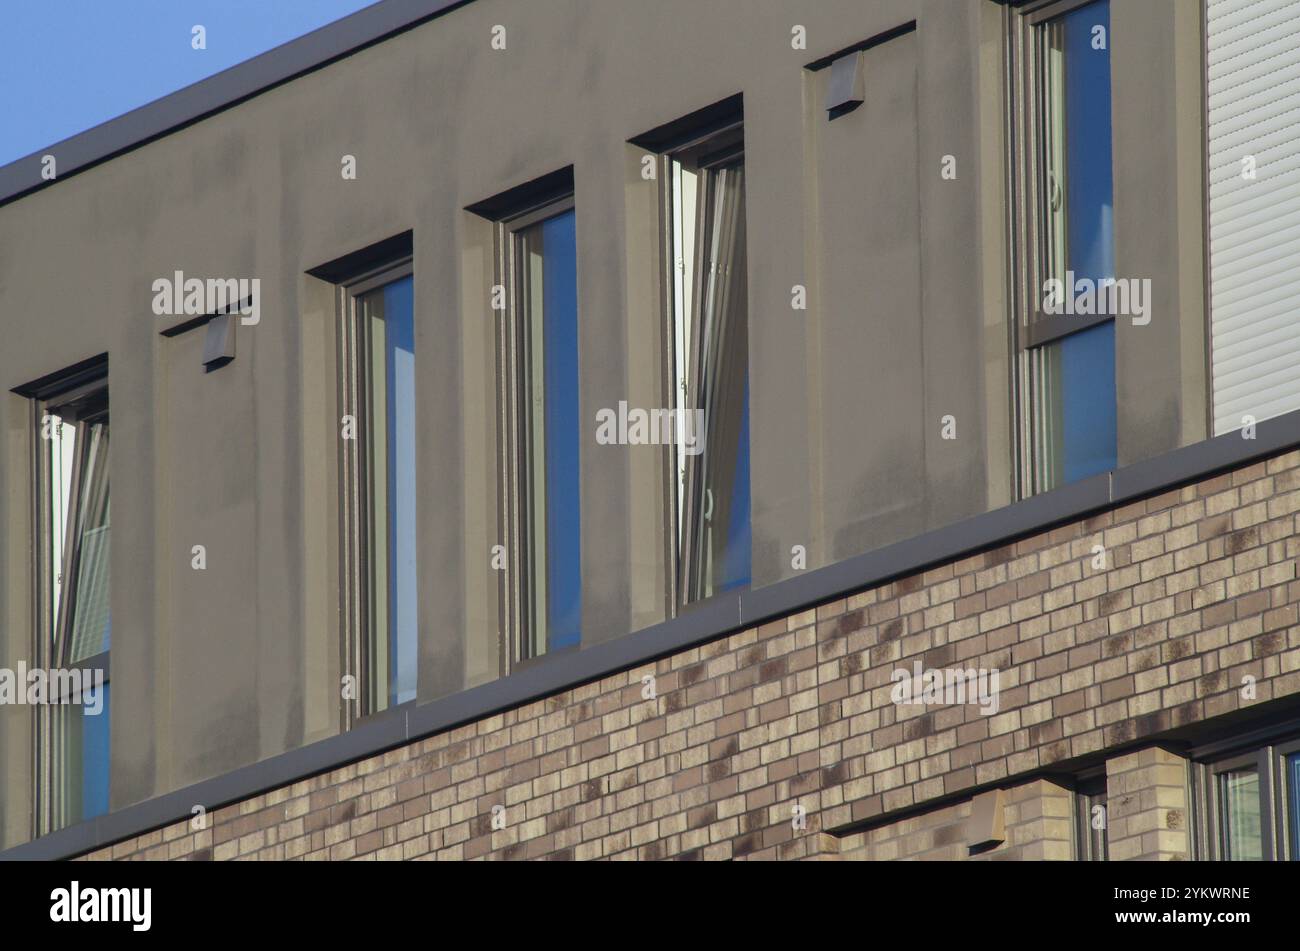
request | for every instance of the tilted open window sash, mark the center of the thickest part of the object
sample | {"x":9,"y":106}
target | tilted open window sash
{"x":74,"y":629}
{"x":710,"y":367}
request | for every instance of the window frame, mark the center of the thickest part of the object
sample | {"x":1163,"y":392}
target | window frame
{"x":1258,"y":760}
{"x":1286,"y":833}
{"x":1091,"y":845}
{"x":358,"y":601}
{"x":522,"y":640}
{"x":1266,"y":752}
{"x":1032,"y":331}
{"x":717,"y":146}
{"x":86,"y":383}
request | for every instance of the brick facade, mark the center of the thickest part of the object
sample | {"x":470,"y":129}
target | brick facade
{"x":746,"y":734}
{"x":1147,"y":806}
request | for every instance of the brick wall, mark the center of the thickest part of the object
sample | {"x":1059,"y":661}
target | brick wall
{"x":1147,"y":814}
{"x":748,"y":734}
{"x":1038,"y":822}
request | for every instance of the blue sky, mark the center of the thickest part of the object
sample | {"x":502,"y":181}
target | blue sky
{"x":69,"y":65}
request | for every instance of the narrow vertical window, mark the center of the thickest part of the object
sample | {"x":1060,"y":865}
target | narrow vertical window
{"x":1240,"y":818}
{"x":546,"y":266}
{"x":1091,"y":820}
{"x":710,"y":364}
{"x":74,"y":618}
{"x":1068,"y":399}
{"x":541,"y":395}
{"x":1291,"y":767}
{"x":539,"y":416}
{"x":377,"y":343}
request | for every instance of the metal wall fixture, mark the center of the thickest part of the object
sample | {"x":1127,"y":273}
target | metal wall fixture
{"x":219,"y":343}
{"x":847,"y":88}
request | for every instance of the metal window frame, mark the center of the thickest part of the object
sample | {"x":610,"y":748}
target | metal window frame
{"x":87,"y":382}
{"x":1282,"y":801}
{"x":1044,"y":10}
{"x":1259,"y":760}
{"x":715,"y":133}
{"x":713,"y":148}
{"x":1091,"y":845}
{"x":1031,"y":330}
{"x":1206,"y":276}
{"x":521,"y":639}
{"x":1268,"y":761}
{"x":357,"y":601}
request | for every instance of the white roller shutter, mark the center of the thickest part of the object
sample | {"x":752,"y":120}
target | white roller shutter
{"x":1253,"y":49}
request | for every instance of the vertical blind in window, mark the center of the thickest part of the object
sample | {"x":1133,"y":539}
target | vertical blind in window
{"x":1253,"y":59}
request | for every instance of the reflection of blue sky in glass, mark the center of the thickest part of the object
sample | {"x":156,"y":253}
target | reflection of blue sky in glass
{"x":399,"y":340}
{"x":563,"y":428}
{"x":1088,"y":358}
{"x":94,"y":758}
{"x":69,"y":65}
{"x":736,"y":568}
{"x":1088,"y":144}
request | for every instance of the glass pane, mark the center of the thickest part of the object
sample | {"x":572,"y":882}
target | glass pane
{"x":1093,"y":846}
{"x":534,"y":426}
{"x":80,"y":743}
{"x":94,"y":756}
{"x":399,"y":311}
{"x":1239,"y":802}
{"x":552,"y":425}
{"x":91,"y":620}
{"x":63,"y":444}
{"x":1081,"y":369}
{"x":1293,"y":802}
{"x":1088,"y":172}
{"x":712,"y":374}
{"x":563,"y":429}
{"x":388,"y":317}
{"x":1079,"y":415}
{"x":685,"y":191}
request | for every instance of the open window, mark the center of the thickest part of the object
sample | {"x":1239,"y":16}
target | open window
{"x":702,"y":168}
{"x":73,"y":630}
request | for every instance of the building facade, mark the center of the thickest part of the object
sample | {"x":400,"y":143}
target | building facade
{"x":587,"y":429}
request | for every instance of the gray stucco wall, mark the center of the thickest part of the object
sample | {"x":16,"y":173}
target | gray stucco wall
{"x":224,"y":667}
{"x":1160,"y":193}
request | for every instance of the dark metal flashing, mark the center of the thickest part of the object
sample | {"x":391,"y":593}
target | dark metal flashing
{"x":689,"y":129}
{"x":915,"y":554}
{"x":527,"y":197}
{"x":713,"y":619}
{"x":194,"y":323}
{"x":1241,"y":729}
{"x":63,"y":381}
{"x":217,"y":93}
{"x":866,"y":44}
{"x":341,"y":270}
